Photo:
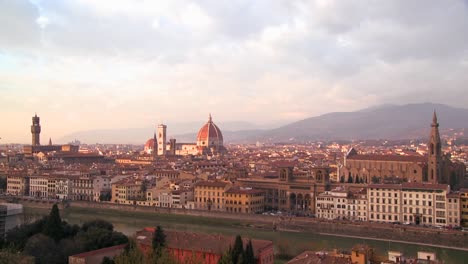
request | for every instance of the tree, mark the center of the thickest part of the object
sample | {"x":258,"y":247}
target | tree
{"x":131,"y":255}
{"x":98,"y":223}
{"x":107,"y":260}
{"x":43,"y":249}
{"x":249,"y":254}
{"x":53,"y":226}
{"x":159,"y":239}
{"x":96,"y":238}
{"x":350,"y":179}
{"x":226,"y":258}
{"x":238,"y":249}
{"x":18,"y":236}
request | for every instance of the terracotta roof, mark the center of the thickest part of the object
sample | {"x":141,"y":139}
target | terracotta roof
{"x":212,"y":184}
{"x":388,"y":158}
{"x":149,"y":144}
{"x":99,"y":251}
{"x":212,"y":243}
{"x":420,"y":186}
{"x":209,"y":131}
{"x":239,"y":190}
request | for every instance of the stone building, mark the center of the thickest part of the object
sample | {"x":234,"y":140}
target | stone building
{"x":289,"y":191}
{"x":244,"y":200}
{"x":435,"y":167}
{"x":210,"y":195}
{"x":416,"y":203}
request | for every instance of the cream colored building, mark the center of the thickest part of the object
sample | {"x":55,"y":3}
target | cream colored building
{"x":127,"y":191}
{"x":453,"y":209}
{"x":332,"y":204}
{"x":209,"y":195}
{"x":17,"y":184}
{"x":39,"y":186}
{"x":244,"y":200}
{"x":82,"y":188}
{"x":342,"y":204}
{"x":415,"y":203}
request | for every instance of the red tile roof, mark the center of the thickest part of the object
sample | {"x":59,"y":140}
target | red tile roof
{"x":388,"y":158}
{"x":99,"y":251}
{"x":211,"y":243}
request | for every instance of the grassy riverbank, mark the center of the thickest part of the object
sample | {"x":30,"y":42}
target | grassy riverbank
{"x":287,"y":243}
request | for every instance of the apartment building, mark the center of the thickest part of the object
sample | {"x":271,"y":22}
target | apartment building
{"x":101,"y":186}
{"x":82,"y":188}
{"x":244,"y":200}
{"x":63,"y":188}
{"x":417,"y":203}
{"x":357,"y":205}
{"x":209,"y":195}
{"x":464,"y":207}
{"x":332,"y":204}
{"x":453,"y":209}
{"x":39,"y":186}
{"x":127,"y":191}
{"x":17,"y":184}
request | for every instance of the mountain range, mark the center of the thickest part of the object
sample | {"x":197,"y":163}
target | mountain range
{"x":391,"y":122}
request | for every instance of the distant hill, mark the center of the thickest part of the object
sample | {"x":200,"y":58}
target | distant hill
{"x":381,"y":122}
{"x":391,"y":122}
{"x":183,"y":132}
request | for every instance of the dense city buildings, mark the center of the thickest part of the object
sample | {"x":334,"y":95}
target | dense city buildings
{"x":407,"y":183}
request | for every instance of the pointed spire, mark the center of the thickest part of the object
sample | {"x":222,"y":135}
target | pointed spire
{"x":434,"y":119}
{"x":50,"y":141}
{"x":210,"y":119}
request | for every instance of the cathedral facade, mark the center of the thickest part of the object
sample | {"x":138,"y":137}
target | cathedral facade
{"x":435,"y":167}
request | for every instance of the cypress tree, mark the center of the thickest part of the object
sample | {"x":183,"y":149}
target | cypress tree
{"x":249,"y":254}
{"x":159,"y":239}
{"x":238,"y":249}
{"x":53,"y":226}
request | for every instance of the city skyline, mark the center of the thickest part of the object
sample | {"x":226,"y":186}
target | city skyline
{"x":96,"y":65}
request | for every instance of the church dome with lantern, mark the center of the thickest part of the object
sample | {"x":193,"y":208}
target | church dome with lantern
{"x":210,"y":138}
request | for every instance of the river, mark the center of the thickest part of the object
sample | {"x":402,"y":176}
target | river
{"x":289,"y":242}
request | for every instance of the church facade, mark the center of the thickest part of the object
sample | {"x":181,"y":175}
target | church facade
{"x":435,"y":167}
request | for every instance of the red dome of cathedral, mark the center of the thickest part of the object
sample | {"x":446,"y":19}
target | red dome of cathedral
{"x":149,"y":145}
{"x":210,"y":136}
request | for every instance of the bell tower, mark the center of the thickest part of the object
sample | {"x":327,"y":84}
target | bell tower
{"x":434,"y":153}
{"x":162,"y":140}
{"x":36,"y":130}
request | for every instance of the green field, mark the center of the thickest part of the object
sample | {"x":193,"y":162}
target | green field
{"x":290,"y":243}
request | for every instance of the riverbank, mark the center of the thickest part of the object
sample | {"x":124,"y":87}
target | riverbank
{"x":290,"y":242}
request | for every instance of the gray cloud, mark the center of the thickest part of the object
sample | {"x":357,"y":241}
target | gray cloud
{"x":268,"y":60}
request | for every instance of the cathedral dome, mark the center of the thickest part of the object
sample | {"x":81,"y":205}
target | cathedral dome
{"x":149,"y":145}
{"x":210,"y":135}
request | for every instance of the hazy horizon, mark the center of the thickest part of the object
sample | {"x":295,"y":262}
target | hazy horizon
{"x":89,"y":65}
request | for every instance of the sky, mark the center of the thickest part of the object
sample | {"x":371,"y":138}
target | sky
{"x":88,"y":64}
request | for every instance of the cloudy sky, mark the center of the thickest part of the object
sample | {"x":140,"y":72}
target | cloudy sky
{"x":88,"y":64}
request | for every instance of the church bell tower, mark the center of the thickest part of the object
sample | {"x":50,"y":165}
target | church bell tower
{"x":36,"y":130}
{"x":434,"y":153}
